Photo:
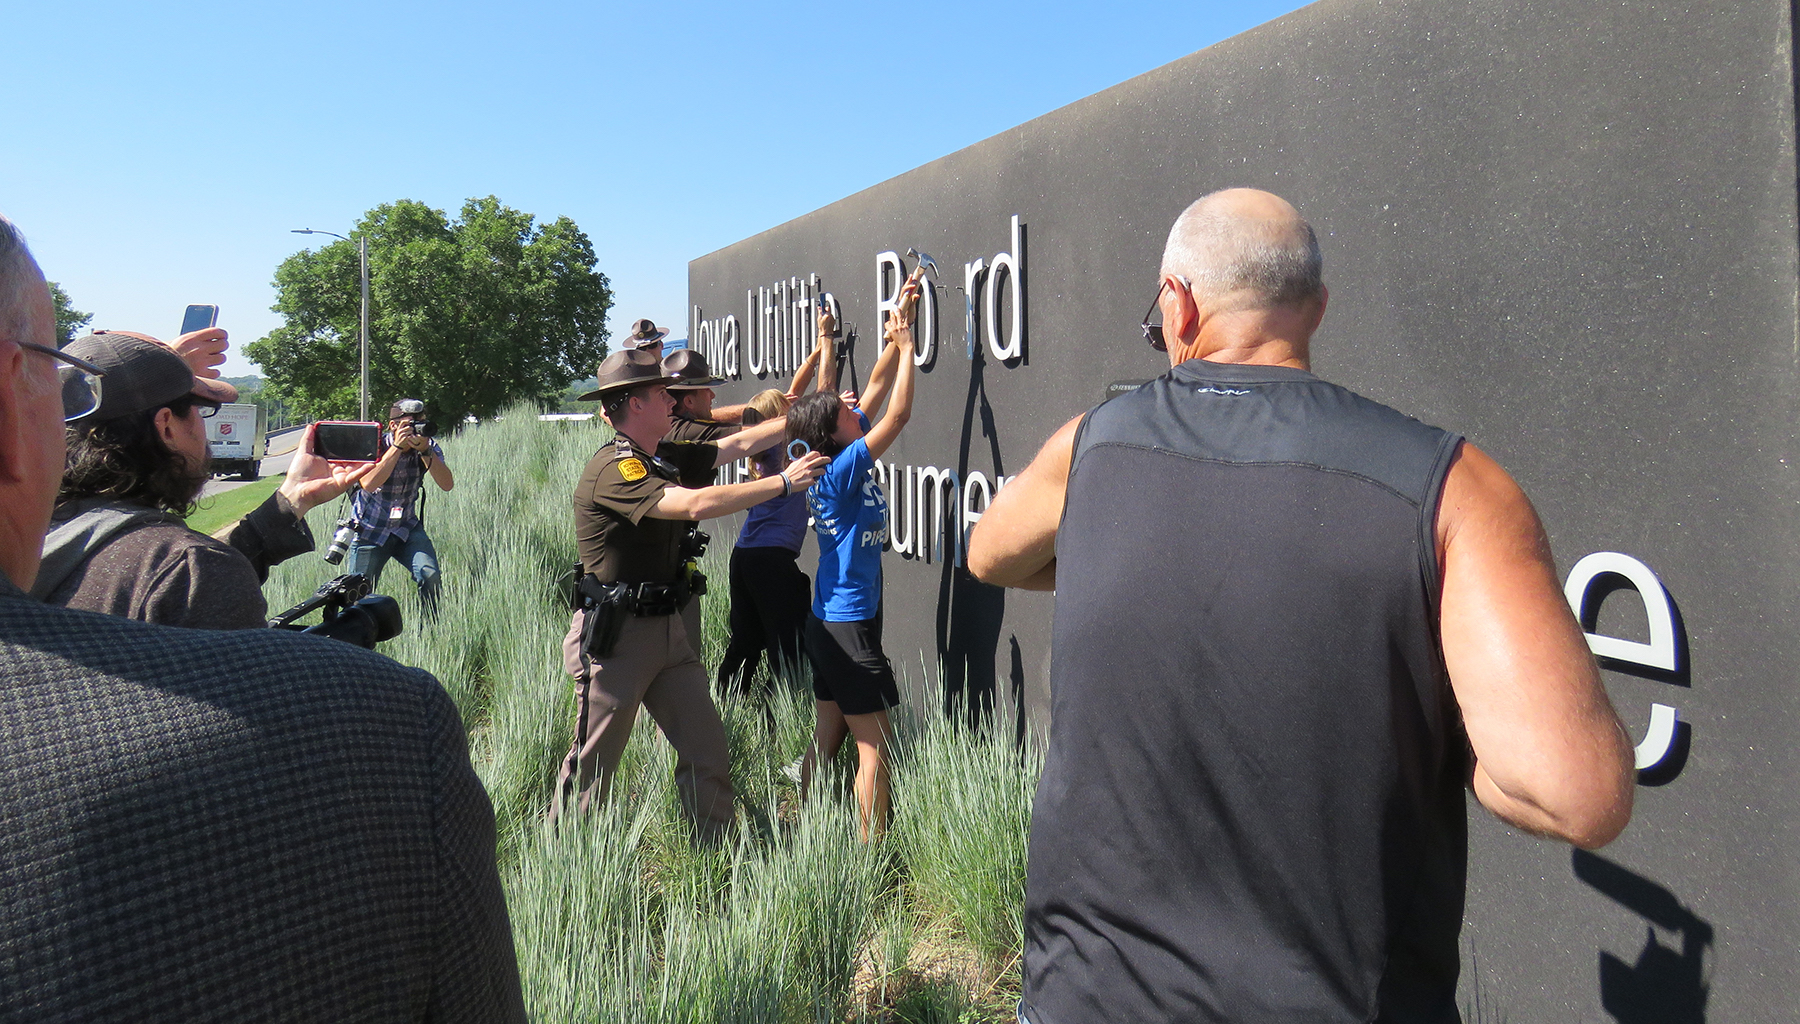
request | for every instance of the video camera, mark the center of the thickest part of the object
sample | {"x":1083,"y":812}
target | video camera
{"x":352,"y":614}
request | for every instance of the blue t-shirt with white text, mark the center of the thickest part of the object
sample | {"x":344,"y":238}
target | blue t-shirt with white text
{"x":850,"y":519}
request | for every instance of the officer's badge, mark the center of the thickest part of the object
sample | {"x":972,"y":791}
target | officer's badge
{"x":633,"y":470}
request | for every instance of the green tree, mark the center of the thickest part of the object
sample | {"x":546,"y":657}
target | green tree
{"x":469,"y":315}
{"x":68,"y":319}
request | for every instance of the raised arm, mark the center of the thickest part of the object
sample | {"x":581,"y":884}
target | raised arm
{"x":1014,"y":542}
{"x":750,"y":440}
{"x":887,"y":365}
{"x":1551,"y":756}
{"x":900,"y":345}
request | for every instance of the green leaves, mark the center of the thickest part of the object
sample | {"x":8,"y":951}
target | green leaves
{"x":469,"y":315}
{"x":69,"y":320}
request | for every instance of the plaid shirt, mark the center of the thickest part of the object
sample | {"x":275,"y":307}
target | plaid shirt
{"x":373,"y":508}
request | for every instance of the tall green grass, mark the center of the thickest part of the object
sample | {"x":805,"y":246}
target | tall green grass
{"x":617,"y":915}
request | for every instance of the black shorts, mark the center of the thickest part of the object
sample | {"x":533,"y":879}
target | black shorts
{"x":848,"y":666}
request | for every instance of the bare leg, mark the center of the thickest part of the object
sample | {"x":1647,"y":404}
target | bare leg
{"x":829,"y":731}
{"x":871,"y":732}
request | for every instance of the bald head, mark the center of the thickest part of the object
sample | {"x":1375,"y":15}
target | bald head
{"x":1242,"y":248}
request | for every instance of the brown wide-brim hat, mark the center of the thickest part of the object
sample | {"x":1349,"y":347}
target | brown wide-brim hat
{"x":631,"y":368}
{"x":690,"y":371}
{"x":645,"y":333}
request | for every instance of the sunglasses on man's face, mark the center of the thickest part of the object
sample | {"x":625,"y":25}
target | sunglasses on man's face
{"x":1153,"y":333}
{"x":80,"y":381}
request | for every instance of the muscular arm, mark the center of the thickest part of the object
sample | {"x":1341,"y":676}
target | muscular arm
{"x":750,"y":440}
{"x":881,"y":378}
{"x":1550,"y":755}
{"x":1014,"y":543}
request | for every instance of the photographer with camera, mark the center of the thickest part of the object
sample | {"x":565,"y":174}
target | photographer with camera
{"x":135,"y":464}
{"x":385,"y":508}
{"x":636,"y":508}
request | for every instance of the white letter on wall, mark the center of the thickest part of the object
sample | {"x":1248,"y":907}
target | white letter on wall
{"x":1012,"y":264}
{"x":1659,"y":653}
{"x":889,"y":273}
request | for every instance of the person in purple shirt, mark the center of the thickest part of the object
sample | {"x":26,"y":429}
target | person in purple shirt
{"x":769,"y":592}
{"x":853,"y":681}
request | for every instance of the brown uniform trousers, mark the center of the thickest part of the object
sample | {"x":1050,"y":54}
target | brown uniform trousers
{"x":654,"y":666}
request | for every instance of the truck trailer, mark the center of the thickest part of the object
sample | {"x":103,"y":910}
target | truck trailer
{"x":236,"y":437}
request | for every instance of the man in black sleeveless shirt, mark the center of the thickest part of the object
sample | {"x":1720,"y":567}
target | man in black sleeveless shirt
{"x":1336,"y":618}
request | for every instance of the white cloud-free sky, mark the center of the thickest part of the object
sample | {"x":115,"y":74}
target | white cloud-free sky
{"x":159,"y":154}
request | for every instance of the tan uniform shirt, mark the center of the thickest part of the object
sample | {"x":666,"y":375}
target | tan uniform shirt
{"x":617,"y":538}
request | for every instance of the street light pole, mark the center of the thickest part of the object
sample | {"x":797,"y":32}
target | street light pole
{"x":362,"y":245}
{"x":362,"y":250}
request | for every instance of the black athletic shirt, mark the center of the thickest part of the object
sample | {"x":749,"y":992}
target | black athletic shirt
{"x":1252,"y":805}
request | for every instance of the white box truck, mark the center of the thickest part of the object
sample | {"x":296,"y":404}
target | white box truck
{"x":236,"y":436}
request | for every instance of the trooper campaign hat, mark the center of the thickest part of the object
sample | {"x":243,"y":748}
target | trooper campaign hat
{"x":631,"y":368}
{"x":689,"y":370}
{"x":141,"y":374}
{"x":645,"y":333}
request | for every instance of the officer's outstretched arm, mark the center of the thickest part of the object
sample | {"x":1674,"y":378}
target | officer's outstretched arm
{"x":724,"y":499}
{"x":1550,"y":754}
{"x":750,"y":440}
{"x":1014,"y":543}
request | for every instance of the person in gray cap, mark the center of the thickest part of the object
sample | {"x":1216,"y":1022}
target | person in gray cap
{"x":636,"y":507}
{"x":117,"y":542}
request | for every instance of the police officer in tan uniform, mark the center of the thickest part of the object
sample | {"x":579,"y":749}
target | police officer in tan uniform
{"x":635,"y":514}
{"x":692,"y":389}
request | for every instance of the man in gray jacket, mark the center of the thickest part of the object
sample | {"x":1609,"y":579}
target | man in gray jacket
{"x":136,"y":463}
{"x":204,"y":826}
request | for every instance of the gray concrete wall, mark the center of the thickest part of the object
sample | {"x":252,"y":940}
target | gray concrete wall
{"x":1564,"y":229}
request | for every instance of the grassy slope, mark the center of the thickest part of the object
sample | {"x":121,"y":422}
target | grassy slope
{"x":221,"y":509}
{"x":620,"y":918}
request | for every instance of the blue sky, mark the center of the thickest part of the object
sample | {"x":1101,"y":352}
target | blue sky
{"x":160,"y":154}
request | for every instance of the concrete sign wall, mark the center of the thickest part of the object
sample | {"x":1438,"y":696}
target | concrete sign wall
{"x":1565,"y":229}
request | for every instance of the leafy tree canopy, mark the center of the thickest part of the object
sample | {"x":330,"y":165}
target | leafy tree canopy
{"x":69,"y":320}
{"x":469,"y":315}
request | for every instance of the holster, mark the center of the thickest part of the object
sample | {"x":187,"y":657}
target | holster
{"x":608,"y":605}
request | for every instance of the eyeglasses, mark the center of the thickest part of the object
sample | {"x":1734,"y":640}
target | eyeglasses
{"x":80,"y":381}
{"x":1153,"y":333}
{"x":207,"y":408}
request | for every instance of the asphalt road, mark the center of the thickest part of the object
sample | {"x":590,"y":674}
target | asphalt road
{"x":273,"y":464}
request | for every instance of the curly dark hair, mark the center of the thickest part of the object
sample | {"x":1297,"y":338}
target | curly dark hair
{"x":124,"y":460}
{"x":813,"y":419}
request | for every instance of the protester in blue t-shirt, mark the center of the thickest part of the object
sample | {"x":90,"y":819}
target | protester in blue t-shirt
{"x":853,"y":682}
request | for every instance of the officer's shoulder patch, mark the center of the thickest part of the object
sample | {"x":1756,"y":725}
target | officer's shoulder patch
{"x":633,"y":470}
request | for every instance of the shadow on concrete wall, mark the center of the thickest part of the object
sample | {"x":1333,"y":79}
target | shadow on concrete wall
{"x":969,"y":612}
{"x":1669,"y":983}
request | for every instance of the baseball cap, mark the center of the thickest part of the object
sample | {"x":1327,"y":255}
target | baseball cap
{"x":141,"y":374}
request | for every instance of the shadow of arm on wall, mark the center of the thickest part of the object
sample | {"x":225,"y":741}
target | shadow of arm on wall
{"x":1668,"y":983}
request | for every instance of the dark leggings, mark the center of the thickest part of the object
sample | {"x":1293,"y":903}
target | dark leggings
{"x":770,"y":598}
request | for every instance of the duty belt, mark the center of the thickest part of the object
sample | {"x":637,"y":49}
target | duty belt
{"x":648,"y":599}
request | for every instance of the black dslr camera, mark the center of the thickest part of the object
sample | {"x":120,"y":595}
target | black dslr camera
{"x":351,"y":613}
